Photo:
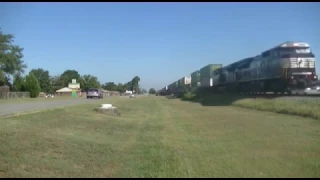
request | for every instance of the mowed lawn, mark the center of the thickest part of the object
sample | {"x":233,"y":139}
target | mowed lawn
{"x":158,"y":137}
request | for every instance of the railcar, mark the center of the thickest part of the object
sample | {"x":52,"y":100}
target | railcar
{"x":286,"y":67}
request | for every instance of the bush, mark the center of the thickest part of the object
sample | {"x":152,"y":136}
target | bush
{"x":179,"y":94}
{"x":32,"y":85}
{"x":189,"y":96}
{"x":19,"y":84}
{"x":152,"y":91}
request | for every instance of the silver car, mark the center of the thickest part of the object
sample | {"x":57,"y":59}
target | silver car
{"x":94,"y":93}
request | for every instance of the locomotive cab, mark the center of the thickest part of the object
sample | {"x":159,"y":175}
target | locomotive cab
{"x":299,"y":63}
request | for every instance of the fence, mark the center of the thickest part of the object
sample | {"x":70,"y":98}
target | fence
{"x":14,"y":95}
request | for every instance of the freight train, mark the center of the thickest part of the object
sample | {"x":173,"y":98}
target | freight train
{"x":284,"y":68}
{"x":287,"y":67}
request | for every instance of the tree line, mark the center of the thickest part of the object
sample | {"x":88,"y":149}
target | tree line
{"x":12,"y":68}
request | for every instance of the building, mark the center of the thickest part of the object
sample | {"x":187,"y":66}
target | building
{"x":67,"y":92}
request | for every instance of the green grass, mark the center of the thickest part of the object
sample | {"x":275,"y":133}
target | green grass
{"x":159,"y":137}
{"x":301,"y":106}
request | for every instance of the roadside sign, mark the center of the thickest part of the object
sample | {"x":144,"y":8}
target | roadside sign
{"x":74,"y":93}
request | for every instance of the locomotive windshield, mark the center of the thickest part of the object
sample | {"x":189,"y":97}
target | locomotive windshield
{"x":295,"y":52}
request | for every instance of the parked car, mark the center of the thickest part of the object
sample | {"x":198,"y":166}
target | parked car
{"x":94,"y":93}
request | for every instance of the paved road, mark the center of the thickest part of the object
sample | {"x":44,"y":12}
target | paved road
{"x":9,"y":109}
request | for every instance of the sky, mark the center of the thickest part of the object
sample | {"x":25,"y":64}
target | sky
{"x":159,"y":42}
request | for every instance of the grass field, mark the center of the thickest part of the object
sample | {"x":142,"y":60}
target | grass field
{"x":301,"y":106}
{"x":306,"y":107}
{"x":159,"y":137}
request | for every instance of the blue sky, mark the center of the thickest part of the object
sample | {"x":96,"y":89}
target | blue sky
{"x":160,"y":42}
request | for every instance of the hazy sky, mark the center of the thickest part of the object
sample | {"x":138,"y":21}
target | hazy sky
{"x":160,"y":42}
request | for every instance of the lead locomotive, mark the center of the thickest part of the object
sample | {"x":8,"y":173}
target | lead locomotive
{"x":286,"y":67}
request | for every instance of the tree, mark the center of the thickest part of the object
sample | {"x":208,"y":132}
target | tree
{"x":6,"y":82}
{"x":143,"y":91}
{"x":88,"y":81}
{"x":56,"y":83}
{"x":121,"y":88}
{"x":139,"y":90}
{"x":127,"y":86}
{"x":11,"y":62}
{"x":67,"y":76}
{"x":152,"y":91}
{"x":19,"y":83}
{"x":2,"y":78}
{"x":135,"y":83}
{"x":110,"y":86}
{"x":43,"y":79}
{"x":32,"y":85}
{"x":132,"y":85}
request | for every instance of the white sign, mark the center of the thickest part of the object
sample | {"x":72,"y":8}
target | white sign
{"x":74,"y":81}
{"x":74,"y":86}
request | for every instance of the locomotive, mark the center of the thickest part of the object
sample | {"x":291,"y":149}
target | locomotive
{"x":287,"y":67}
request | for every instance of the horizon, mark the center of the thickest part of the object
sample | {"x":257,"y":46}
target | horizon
{"x":159,"y":42}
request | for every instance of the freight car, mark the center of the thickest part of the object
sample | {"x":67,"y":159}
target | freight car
{"x":206,"y":75}
{"x":284,"y":68}
{"x":287,"y":67}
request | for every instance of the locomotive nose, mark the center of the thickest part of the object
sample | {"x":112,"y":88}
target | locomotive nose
{"x":303,"y":83}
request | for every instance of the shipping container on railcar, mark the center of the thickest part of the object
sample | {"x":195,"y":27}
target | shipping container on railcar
{"x":206,"y":74}
{"x":195,"y":79}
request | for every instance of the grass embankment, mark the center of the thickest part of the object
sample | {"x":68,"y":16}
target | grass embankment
{"x":158,"y":137}
{"x":301,"y":106}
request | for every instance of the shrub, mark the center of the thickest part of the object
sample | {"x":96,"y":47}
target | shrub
{"x":179,"y":94}
{"x":32,"y":85}
{"x":19,"y":84}
{"x":189,"y":96}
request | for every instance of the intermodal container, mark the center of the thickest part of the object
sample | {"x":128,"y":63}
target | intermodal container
{"x":207,"y":71}
{"x":195,"y":77}
{"x":206,"y":82}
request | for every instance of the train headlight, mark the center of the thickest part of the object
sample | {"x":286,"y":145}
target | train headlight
{"x":292,"y":77}
{"x":315,"y":77}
